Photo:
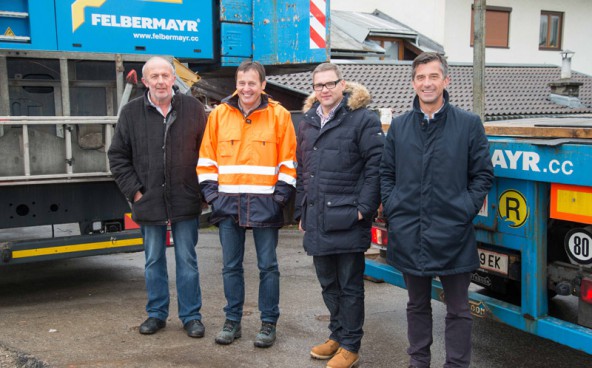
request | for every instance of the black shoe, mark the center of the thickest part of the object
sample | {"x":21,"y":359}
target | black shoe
{"x":151,"y":325}
{"x":195,"y":328}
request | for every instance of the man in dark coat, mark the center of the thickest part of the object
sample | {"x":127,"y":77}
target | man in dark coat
{"x":153,"y":158}
{"x":339,"y":146}
{"x":435,"y":173}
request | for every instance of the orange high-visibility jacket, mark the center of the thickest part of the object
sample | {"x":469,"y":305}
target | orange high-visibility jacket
{"x":246,"y":166}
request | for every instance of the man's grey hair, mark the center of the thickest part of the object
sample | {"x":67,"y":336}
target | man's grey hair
{"x":428,"y":57}
{"x":153,"y":59}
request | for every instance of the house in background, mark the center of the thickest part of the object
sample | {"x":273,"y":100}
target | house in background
{"x":375,"y":36}
{"x":517,"y":31}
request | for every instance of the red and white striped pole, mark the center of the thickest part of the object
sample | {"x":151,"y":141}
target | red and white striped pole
{"x":318,"y":24}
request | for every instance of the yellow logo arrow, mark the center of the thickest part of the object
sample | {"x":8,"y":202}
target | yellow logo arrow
{"x":78,"y":7}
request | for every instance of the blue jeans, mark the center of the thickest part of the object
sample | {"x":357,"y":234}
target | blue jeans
{"x":457,"y":333}
{"x":232,"y":238}
{"x":342,"y":281}
{"x":155,"y":270}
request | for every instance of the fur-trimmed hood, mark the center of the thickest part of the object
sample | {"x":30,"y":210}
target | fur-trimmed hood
{"x":358,"y":97}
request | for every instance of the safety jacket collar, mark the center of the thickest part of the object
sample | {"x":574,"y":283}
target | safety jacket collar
{"x":232,"y":101}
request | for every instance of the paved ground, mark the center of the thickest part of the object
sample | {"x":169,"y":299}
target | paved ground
{"x":85,"y":313}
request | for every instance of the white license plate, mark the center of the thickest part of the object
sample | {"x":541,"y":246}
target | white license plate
{"x":493,"y":261}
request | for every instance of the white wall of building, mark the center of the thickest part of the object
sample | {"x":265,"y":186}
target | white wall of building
{"x":449,"y":23}
{"x":524,"y":32}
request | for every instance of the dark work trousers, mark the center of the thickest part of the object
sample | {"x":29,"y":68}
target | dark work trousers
{"x":342,"y":280}
{"x":458,"y":320}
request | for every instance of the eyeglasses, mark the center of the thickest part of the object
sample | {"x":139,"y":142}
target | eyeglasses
{"x":329,"y":85}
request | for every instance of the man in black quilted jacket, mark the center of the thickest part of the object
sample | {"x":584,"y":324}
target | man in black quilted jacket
{"x":153,"y":158}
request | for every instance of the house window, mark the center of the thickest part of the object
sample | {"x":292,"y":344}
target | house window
{"x":497,"y":20}
{"x":550,"y":34}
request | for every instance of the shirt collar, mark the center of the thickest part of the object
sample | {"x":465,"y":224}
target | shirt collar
{"x":158,"y":107}
{"x":329,"y":116}
{"x":427,"y":116}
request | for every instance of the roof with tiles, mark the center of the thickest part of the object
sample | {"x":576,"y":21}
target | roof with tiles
{"x":511,"y":91}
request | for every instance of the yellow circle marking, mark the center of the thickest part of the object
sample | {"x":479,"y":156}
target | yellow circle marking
{"x":512,"y":208}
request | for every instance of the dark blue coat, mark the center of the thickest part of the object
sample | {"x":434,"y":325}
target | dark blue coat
{"x":338,"y":175}
{"x":434,"y":178}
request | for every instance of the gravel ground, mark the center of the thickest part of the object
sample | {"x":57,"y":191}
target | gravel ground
{"x":12,"y":359}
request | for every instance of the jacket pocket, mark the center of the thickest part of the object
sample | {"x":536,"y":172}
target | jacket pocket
{"x":390,"y":204}
{"x":224,"y":206}
{"x":469,"y":206}
{"x":265,"y":147}
{"x":341,"y":213}
{"x":228,"y":142}
{"x":303,"y":210}
{"x":226,"y":147}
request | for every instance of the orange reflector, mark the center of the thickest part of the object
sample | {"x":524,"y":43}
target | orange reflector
{"x":571,"y":203}
{"x":586,"y":290}
{"x":128,"y":223}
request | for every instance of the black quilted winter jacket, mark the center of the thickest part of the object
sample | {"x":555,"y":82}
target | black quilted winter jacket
{"x":158,"y":157}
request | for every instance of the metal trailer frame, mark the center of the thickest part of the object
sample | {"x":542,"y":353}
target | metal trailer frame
{"x":106,"y":203}
{"x":532,"y":175}
{"x":28,"y":251}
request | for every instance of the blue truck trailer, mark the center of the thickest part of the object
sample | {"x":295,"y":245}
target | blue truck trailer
{"x":62,"y":68}
{"x":534,"y":231}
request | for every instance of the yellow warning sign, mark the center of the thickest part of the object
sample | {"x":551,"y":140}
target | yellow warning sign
{"x":9,"y":32}
{"x":512,"y":208}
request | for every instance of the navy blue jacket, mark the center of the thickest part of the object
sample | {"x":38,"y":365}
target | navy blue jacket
{"x":434,"y":178}
{"x":338,"y":175}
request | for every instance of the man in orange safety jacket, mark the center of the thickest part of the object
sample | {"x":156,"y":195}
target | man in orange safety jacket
{"x":247,"y":174}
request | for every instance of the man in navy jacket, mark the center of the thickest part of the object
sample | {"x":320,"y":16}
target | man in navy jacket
{"x":337,"y":193}
{"x":435,"y":173}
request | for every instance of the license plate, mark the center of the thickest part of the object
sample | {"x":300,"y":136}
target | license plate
{"x":493,"y":261}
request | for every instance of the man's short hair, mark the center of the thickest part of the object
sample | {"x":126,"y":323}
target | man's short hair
{"x":327,"y":67}
{"x":428,"y":57}
{"x":152,"y":60}
{"x":247,"y":65}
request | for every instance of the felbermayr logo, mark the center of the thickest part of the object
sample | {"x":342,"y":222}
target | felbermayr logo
{"x":79,"y":6}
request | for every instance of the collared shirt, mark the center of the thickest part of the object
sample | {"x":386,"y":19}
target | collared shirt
{"x":246,"y":112}
{"x":158,"y":107}
{"x":330,"y":115}
{"x":427,"y":116}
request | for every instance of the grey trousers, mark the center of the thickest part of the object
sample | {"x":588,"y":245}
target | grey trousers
{"x":458,"y":320}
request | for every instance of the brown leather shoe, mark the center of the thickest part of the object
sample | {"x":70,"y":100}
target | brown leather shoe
{"x":344,"y":359}
{"x":325,"y":350}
